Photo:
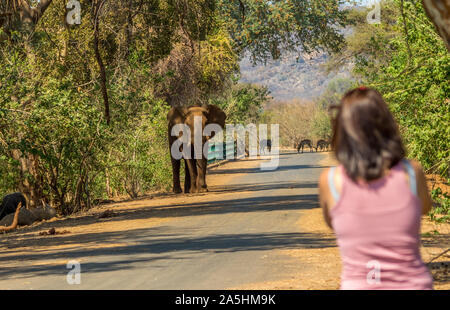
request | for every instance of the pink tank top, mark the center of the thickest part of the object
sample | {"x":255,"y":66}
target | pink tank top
{"x":377,"y":226}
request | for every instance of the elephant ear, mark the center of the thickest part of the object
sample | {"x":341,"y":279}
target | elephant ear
{"x":177,"y":115}
{"x":215,"y":115}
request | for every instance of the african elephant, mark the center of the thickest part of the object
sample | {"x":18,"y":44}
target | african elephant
{"x":195,"y":169}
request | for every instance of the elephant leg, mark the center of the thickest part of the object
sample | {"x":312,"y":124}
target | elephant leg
{"x":187,"y":178}
{"x":176,"y":176}
{"x":190,"y":163}
{"x":201,"y":175}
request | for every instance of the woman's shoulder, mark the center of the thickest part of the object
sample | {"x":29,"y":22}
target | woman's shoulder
{"x":324,"y":173}
{"x":324,"y":176}
{"x":323,"y":179}
{"x":416,"y":165}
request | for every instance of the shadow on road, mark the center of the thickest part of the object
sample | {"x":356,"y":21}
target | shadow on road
{"x":124,"y":249}
{"x":210,"y":207}
{"x":258,"y":169}
{"x":154,"y":240}
{"x":262,"y":187}
{"x":155,"y":247}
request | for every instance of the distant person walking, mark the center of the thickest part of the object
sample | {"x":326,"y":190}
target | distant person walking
{"x":375,"y":198}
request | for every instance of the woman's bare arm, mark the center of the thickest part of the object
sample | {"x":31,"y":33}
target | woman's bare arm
{"x":324,"y":193}
{"x":422,"y":189}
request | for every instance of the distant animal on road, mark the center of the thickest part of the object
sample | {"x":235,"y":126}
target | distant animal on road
{"x":322,"y":145}
{"x":266,"y":143}
{"x":10,"y":203}
{"x":304,"y":143}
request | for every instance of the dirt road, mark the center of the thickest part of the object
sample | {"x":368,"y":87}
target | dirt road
{"x":254,"y":230}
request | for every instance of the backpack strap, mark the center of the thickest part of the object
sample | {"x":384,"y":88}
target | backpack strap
{"x":411,"y":175}
{"x":331,"y":185}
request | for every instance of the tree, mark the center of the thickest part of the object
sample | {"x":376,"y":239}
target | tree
{"x":332,"y":95}
{"x":57,"y":82}
{"x":407,"y":61}
{"x":296,"y":120}
{"x":265,"y":28}
{"x":17,"y":14}
{"x":243,"y":103}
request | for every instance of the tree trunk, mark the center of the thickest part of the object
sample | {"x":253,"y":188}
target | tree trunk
{"x":19,"y":14}
{"x":96,"y":10}
{"x":29,"y":165}
{"x":439,"y":13}
{"x":129,"y":29}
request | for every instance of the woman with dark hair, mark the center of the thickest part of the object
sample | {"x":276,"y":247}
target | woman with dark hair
{"x":375,"y":198}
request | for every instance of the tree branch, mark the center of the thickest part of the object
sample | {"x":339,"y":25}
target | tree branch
{"x":405,"y":26}
{"x":32,"y":15}
{"x":242,"y":6}
{"x":96,"y":8}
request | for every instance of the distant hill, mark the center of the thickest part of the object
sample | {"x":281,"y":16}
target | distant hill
{"x":295,"y":75}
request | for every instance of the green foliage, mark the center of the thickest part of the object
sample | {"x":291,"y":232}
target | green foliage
{"x":334,"y":92}
{"x":265,"y":28}
{"x":139,"y":160}
{"x":217,"y":61}
{"x":56,"y":145}
{"x":243,"y":103}
{"x":59,"y":135}
{"x":320,"y":119}
{"x":406,"y":60}
{"x":75,"y":157}
{"x":441,"y":212}
{"x":54,"y":142}
{"x":415,"y":83}
{"x":321,"y":125}
{"x":299,"y":120}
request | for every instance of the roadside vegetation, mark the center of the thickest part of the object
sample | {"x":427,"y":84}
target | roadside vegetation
{"x":307,"y":119}
{"x":83,"y":106}
{"x":406,"y":60}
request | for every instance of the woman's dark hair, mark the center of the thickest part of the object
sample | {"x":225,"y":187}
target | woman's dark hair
{"x":366,"y":139}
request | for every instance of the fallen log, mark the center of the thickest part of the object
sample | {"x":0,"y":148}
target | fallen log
{"x":15,"y":221}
